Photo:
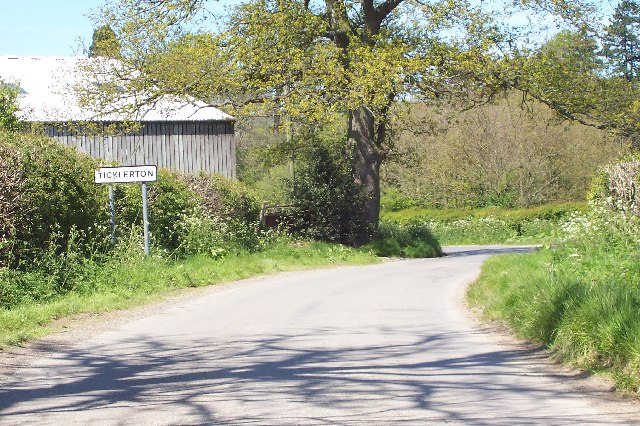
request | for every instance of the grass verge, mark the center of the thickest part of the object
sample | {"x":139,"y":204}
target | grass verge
{"x":581,"y":300}
{"x":129,"y":282}
{"x":542,"y":224}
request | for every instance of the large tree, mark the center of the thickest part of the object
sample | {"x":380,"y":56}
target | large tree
{"x":622,"y":40}
{"x":314,"y":59}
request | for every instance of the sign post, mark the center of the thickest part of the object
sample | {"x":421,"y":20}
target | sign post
{"x":128,"y":174}
{"x":145,"y":218}
{"x":112,"y":214}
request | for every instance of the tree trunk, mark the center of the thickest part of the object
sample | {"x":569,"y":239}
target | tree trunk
{"x":367,"y":160}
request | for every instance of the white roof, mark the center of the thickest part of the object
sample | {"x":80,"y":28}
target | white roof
{"x":47,"y":94}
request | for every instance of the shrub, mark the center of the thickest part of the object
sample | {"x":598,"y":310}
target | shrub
{"x":224,"y":198}
{"x":169,"y":200}
{"x":199,"y":234}
{"x":9,"y":107}
{"x":617,"y":186}
{"x":12,"y":182}
{"x":193,"y":214}
{"x":54,"y":194}
{"x":393,"y":200}
{"x":412,"y":239}
{"x":327,"y":198}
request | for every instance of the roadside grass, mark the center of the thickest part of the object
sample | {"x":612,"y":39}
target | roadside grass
{"x":133,"y":280}
{"x":542,"y":224}
{"x":581,"y":299}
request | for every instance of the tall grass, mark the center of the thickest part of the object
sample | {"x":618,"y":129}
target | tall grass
{"x":581,"y":299}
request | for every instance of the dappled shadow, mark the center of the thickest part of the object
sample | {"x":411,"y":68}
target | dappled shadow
{"x":458,"y":251}
{"x":415,"y":378}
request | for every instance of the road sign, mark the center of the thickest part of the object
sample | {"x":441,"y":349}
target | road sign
{"x":126,"y":174}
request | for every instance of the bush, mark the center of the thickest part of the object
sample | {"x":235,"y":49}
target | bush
{"x":224,"y":198}
{"x":228,"y":209}
{"x":9,"y":107}
{"x":618,"y":186}
{"x":13,"y":183}
{"x":54,"y":194}
{"x":393,"y":200}
{"x":412,"y":239}
{"x":328,"y":201}
{"x":202,"y":214}
{"x":169,"y":200}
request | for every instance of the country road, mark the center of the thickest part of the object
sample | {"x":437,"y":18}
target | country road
{"x":376,"y":345}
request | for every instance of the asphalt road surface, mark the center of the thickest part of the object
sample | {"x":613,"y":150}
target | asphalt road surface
{"x":375,"y":345}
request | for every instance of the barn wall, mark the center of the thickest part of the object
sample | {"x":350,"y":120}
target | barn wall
{"x":189,"y":147}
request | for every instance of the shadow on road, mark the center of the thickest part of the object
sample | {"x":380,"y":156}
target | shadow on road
{"x":459,"y":251}
{"x":291,"y":376}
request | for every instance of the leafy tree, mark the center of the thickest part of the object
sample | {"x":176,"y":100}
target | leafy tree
{"x":568,"y":75}
{"x":574,"y":51}
{"x":105,"y":43}
{"x":622,"y":40}
{"x":312,"y":59}
{"x":9,"y":105}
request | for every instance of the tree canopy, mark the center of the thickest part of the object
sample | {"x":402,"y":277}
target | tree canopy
{"x":312,"y":59}
{"x":621,"y":41}
{"x":105,"y":43}
{"x":583,"y":82}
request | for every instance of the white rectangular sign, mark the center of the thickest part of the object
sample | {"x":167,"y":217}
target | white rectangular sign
{"x":126,"y":174}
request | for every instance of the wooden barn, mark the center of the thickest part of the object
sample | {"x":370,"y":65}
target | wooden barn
{"x":188,"y":136}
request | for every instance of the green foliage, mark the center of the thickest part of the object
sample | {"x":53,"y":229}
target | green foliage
{"x":169,"y":200}
{"x":568,"y":75}
{"x":617,"y":186}
{"x":12,"y":182}
{"x":202,"y":214}
{"x":327,"y":199}
{"x":575,"y":50}
{"x":580,"y":299}
{"x":9,"y":105}
{"x":224,"y":198}
{"x":490,"y":226}
{"x":105,"y":43}
{"x":509,"y":153}
{"x":314,"y":61}
{"x":53,"y":195}
{"x":394,"y":200}
{"x":621,"y":44}
{"x":412,"y":239}
{"x":553,"y":211}
{"x":200,"y":234}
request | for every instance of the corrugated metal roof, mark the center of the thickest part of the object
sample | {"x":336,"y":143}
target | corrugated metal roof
{"x":46,"y":94}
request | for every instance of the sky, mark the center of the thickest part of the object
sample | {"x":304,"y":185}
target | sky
{"x":45,"y":27}
{"x":39,"y":28}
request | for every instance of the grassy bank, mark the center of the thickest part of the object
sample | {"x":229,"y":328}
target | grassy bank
{"x":581,"y":299}
{"x":541,"y":224}
{"x":132,"y":280}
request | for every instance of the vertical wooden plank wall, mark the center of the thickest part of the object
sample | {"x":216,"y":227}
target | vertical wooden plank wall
{"x":189,"y":147}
